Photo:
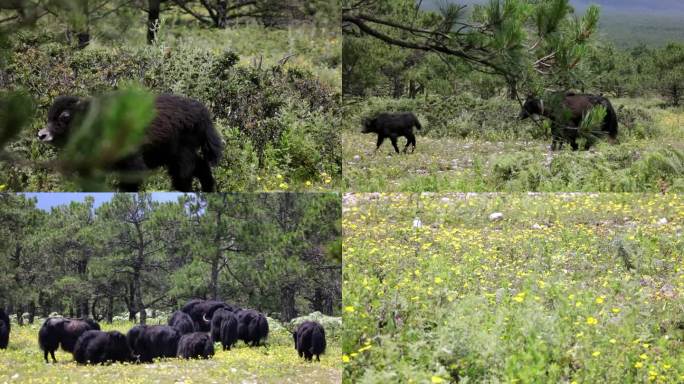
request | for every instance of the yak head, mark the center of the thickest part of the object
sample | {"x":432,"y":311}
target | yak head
{"x":368,"y":125}
{"x":533,"y":107}
{"x":61,"y":117}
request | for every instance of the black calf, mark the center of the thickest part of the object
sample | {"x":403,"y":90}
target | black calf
{"x":393,"y":125}
{"x":197,"y":345}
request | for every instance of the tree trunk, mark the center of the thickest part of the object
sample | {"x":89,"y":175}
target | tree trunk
{"x":110,"y":309}
{"x":213,"y":283}
{"x":512,"y":90}
{"x":287,"y":304}
{"x":153,"y":20}
{"x":31,"y":311}
{"x":397,"y":87}
{"x":221,"y":14}
{"x":140,"y":306}
{"x":20,"y":316}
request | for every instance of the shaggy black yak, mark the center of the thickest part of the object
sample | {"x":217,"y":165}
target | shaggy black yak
{"x":64,"y":331}
{"x":224,"y":328}
{"x":97,"y":347}
{"x":5,"y":328}
{"x":393,"y":125}
{"x":196,"y":345}
{"x":182,"y":322}
{"x":252,"y":327}
{"x":181,"y":128}
{"x":566,"y":112}
{"x":151,"y":341}
{"x":309,"y":340}
{"x":202,"y":311}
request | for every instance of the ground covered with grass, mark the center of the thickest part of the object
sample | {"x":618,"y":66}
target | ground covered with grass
{"x":470,"y":144}
{"x":513,"y":288}
{"x":277,"y":363}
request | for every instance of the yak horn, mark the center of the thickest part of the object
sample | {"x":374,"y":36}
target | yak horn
{"x":204,"y":317}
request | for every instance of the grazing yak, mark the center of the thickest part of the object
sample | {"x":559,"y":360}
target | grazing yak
{"x":202,"y":311}
{"x":309,"y":339}
{"x":197,"y":345}
{"x":97,"y":347}
{"x":180,"y":128}
{"x":566,"y":112}
{"x":64,"y":331}
{"x":5,"y":328}
{"x":182,"y":322}
{"x":151,"y":341}
{"x":252,"y":327}
{"x":393,"y":125}
{"x":224,"y":328}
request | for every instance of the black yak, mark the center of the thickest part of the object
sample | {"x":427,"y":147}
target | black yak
{"x":97,"y":347}
{"x":180,"y":128}
{"x":64,"y":331}
{"x":393,"y":125}
{"x":224,"y":328}
{"x":252,"y":327}
{"x":566,"y":112}
{"x":195,"y":346}
{"x":309,"y":339}
{"x":201,"y":312}
{"x":182,"y":322}
{"x":5,"y":328}
{"x":152,"y":341}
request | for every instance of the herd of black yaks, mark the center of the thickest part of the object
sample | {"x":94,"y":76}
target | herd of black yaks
{"x":190,"y":334}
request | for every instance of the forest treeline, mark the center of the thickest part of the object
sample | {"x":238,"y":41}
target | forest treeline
{"x":280,"y":253}
{"x":396,"y":49}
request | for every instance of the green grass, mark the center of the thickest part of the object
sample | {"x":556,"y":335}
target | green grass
{"x":481,"y":147}
{"x":565,"y":288}
{"x":23,"y":362}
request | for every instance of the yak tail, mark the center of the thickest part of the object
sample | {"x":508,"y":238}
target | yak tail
{"x":317,"y":340}
{"x":212,"y":148}
{"x":418,"y":126}
{"x":263,"y":327}
{"x":610,"y":122}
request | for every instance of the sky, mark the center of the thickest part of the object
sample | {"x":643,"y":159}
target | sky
{"x":48,"y":200}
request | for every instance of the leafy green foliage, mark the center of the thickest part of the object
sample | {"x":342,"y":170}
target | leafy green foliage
{"x":278,"y":253}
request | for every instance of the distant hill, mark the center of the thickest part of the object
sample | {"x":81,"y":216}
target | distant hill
{"x":627,"y":23}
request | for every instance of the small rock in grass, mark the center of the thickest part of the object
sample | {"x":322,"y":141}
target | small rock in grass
{"x":662,"y":221}
{"x":536,"y":226}
{"x":357,"y":158}
{"x":496,"y":216}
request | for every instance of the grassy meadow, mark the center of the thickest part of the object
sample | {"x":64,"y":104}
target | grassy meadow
{"x":513,"y":288}
{"x":278,"y":363}
{"x":472,"y":144}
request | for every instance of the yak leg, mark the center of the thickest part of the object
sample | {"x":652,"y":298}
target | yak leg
{"x":182,"y":170}
{"x":130,"y":181}
{"x":410,"y":140}
{"x":380,"y":140}
{"x":573,"y":144}
{"x":203,"y":173}
{"x":394,"y":144}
